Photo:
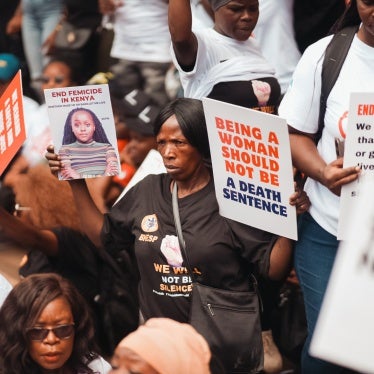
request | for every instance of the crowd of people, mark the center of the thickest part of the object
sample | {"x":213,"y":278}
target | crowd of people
{"x":91,"y":295}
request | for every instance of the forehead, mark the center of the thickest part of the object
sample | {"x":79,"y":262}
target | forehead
{"x":57,"y":68}
{"x":245,"y":3}
{"x":170,"y":125}
{"x":56,"y":310}
{"x":81,"y":113}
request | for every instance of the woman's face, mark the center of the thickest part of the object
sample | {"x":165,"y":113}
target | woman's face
{"x":53,"y":352}
{"x":83,"y":126}
{"x":237,"y":19}
{"x":56,"y":75}
{"x":366,"y":11}
{"x":182,"y":161}
{"x":126,"y":361}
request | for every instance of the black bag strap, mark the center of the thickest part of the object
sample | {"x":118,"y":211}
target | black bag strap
{"x":182,"y":243}
{"x":335,"y":54}
{"x":178,"y":228}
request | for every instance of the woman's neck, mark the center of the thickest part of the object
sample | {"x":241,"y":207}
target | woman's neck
{"x":196,"y":183}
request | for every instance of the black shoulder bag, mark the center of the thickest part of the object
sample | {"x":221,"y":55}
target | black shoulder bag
{"x":228,"y":320}
{"x":335,"y":54}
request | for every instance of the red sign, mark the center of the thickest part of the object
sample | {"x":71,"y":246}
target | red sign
{"x":12,"y":124}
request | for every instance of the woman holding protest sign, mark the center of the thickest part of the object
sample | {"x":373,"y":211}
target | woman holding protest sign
{"x":226,"y":63}
{"x":317,"y":246}
{"x":223,"y":252}
{"x":86,"y":151}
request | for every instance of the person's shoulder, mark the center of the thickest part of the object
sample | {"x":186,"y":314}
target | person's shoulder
{"x":153,"y":179}
{"x":151,"y":182}
{"x":318,"y":47}
{"x":64,"y":233}
{"x":207,"y":33}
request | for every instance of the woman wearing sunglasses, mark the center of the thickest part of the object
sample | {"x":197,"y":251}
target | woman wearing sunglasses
{"x":46,"y":328}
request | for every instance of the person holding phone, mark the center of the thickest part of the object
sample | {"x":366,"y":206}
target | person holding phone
{"x":317,"y":245}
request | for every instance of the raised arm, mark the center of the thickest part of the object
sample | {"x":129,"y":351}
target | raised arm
{"x":27,"y":235}
{"x":90,"y":216}
{"x":182,"y":37}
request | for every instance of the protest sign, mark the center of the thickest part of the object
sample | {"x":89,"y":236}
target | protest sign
{"x":252,"y":167}
{"x":359,"y":150}
{"x":12,"y":125}
{"x":345,"y":327}
{"x":83,"y":131}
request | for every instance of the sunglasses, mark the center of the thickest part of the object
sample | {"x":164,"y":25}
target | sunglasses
{"x":40,"y":333}
{"x":57,"y":80}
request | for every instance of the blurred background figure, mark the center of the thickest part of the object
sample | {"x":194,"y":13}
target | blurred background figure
{"x":165,"y":346}
{"x":314,"y":19}
{"x":39,"y":19}
{"x":11,"y":39}
{"x":275,"y":33}
{"x":141,"y":45}
{"x":80,"y":15}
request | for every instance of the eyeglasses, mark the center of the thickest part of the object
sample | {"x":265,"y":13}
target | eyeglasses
{"x":57,"y":80}
{"x":40,"y":333}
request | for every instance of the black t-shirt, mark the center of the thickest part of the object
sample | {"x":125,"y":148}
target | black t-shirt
{"x":222,"y":252}
{"x":83,"y":13}
{"x":76,"y":260}
{"x":249,"y":94}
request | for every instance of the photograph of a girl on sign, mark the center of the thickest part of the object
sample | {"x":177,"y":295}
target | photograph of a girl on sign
{"x":86,"y":151}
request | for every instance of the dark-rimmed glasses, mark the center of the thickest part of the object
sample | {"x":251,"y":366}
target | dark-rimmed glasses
{"x":40,"y":333}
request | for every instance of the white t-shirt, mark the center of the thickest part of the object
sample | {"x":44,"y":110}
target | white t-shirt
{"x":300,"y":107}
{"x":222,"y":59}
{"x":200,"y":18}
{"x":141,"y":31}
{"x":5,"y":288}
{"x":275,"y":34}
{"x":100,"y":366}
{"x":29,"y":107}
{"x":38,"y":136}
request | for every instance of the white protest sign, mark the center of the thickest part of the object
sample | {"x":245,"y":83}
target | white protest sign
{"x":345,"y":327}
{"x":359,"y":150}
{"x":252,"y":167}
{"x":83,"y":127}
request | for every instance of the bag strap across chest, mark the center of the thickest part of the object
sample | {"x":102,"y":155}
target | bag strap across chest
{"x":335,"y":54}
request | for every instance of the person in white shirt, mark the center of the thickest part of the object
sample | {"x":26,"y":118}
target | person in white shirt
{"x":317,"y":246}
{"x":141,"y":45}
